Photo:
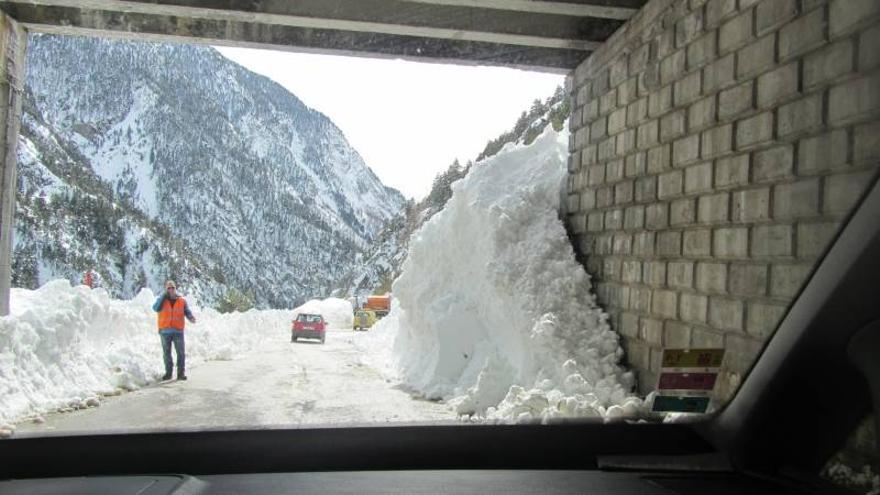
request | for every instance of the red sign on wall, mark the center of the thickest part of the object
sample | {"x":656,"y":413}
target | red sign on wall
{"x":687,"y":381}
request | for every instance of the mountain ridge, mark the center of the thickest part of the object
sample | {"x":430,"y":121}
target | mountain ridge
{"x":262,"y":190}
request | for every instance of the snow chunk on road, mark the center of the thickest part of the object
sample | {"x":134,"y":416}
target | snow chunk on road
{"x":338,"y":313}
{"x":494,"y":313}
{"x":62,"y":346}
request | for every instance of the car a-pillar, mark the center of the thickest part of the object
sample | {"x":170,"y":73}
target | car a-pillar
{"x":13,"y":41}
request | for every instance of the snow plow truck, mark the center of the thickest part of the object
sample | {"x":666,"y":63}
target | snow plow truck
{"x":381,"y":305}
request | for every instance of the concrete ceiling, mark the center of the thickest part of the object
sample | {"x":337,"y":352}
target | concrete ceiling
{"x":549,"y":35}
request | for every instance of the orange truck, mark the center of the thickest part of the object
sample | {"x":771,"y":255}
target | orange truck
{"x":380,"y":304}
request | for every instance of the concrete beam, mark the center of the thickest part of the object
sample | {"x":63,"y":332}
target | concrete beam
{"x":399,"y":17}
{"x":75,"y":21}
{"x":12,"y":48}
{"x":469,"y":30}
{"x":623,"y":11}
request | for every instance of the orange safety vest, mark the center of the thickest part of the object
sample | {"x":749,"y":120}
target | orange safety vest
{"x":172,"y":316}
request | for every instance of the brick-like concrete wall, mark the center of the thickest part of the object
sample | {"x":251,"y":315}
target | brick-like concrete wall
{"x":715,"y":148}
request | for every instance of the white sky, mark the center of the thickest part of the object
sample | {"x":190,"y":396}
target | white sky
{"x":408,"y":120}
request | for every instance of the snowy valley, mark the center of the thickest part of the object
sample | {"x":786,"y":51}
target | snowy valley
{"x":230,"y":183}
{"x":493,"y":344}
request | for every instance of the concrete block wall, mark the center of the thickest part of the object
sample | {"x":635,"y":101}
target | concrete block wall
{"x":13,"y":41}
{"x":716,"y":146}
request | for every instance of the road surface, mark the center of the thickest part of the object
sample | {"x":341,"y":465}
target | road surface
{"x":282,"y":384}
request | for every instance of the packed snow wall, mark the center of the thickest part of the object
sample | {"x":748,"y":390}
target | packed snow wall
{"x":494,"y":313}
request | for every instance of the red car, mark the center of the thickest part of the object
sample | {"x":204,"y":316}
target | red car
{"x":308,"y":326}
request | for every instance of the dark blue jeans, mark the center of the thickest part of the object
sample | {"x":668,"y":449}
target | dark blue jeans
{"x":179,"y":348}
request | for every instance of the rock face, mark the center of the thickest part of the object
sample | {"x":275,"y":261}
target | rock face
{"x":145,"y":161}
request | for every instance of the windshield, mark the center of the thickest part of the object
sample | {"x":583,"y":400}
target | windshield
{"x":481,"y":244}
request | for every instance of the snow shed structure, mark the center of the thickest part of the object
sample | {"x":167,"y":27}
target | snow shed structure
{"x":540,"y":35}
{"x":716,"y":145}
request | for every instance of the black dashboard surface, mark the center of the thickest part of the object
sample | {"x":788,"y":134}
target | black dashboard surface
{"x":444,"y":482}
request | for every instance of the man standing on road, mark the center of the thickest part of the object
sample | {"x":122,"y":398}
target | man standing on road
{"x":172,"y":309}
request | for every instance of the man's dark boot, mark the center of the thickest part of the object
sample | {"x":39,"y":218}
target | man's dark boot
{"x":166,"y":376}
{"x":181,"y":376}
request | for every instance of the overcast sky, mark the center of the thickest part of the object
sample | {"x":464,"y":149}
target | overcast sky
{"x":408,"y":120}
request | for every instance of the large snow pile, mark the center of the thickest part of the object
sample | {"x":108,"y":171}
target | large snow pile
{"x":63,"y":346}
{"x":378,"y":344}
{"x":494,"y":313}
{"x":338,"y":313}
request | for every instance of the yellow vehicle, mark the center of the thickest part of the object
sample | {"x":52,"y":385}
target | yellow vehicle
{"x":364,"y":319}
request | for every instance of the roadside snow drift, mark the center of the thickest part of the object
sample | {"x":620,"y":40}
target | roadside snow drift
{"x":63,"y":346}
{"x":493,"y":311}
{"x":338,"y":313}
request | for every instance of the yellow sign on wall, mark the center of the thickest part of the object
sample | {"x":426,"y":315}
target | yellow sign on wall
{"x":692,"y":358}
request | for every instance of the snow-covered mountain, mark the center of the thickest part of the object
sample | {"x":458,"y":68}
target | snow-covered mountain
{"x":248,"y":186}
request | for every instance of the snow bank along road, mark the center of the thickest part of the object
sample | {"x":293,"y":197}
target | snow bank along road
{"x":279,"y":383}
